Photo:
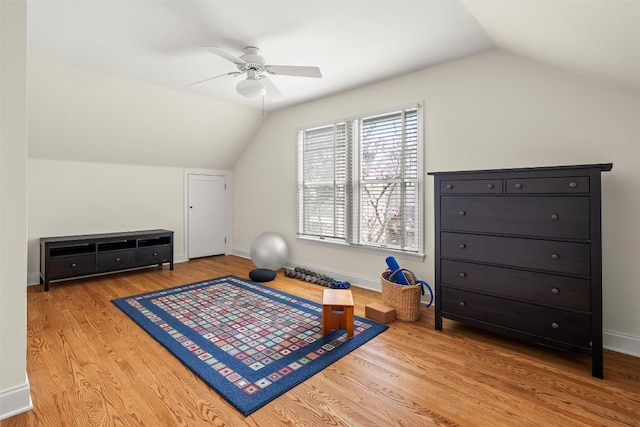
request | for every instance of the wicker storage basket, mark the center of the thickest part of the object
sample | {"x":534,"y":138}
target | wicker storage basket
{"x":405,"y":299}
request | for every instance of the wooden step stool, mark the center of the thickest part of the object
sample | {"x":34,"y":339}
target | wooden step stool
{"x":337,"y":311}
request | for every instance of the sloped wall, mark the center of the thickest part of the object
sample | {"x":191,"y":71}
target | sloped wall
{"x":82,"y":115}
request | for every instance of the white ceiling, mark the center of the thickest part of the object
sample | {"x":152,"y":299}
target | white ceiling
{"x":354,"y":42}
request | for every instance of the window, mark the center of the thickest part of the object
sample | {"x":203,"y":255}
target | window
{"x":359,"y":181}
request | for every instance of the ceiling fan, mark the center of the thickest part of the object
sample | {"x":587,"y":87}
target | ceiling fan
{"x":257,"y":83}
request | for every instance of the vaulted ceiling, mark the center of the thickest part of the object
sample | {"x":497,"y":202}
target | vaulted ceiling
{"x":354,"y":43}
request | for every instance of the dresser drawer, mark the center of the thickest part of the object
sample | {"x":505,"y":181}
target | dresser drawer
{"x":565,"y":257}
{"x":564,"y":185}
{"x":487,"y":186}
{"x":115,"y":260}
{"x":72,"y":266}
{"x":559,"y":291}
{"x":545,"y":322}
{"x":559,"y":217}
{"x":153,"y":254}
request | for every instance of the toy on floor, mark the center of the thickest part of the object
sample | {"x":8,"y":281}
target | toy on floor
{"x":269,"y":250}
{"x":262,"y":275}
{"x":340,"y":285}
{"x":315,"y":278}
{"x":396,"y":275}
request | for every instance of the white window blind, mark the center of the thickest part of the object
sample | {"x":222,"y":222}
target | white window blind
{"x":322,"y":181}
{"x":359,"y":181}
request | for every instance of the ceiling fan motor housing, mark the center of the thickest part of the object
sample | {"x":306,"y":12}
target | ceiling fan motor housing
{"x":252,"y":59}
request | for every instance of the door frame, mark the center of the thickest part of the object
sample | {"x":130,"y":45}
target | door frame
{"x":227,"y":224}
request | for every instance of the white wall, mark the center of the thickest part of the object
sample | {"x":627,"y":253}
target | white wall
{"x":492,"y":110}
{"x":68,"y":198}
{"x":14,"y":384}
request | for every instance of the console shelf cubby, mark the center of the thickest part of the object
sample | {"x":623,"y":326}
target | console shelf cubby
{"x":69,"y":257}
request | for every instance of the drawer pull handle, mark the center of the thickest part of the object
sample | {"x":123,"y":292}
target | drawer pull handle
{"x":555,"y":325}
{"x":74,"y":265}
{"x":462,"y":213}
{"x":573,"y":184}
{"x":463,"y":275}
{"x":555,"y":216}
{"x":490,"y":186}
{"x":555,"y":256}
{"x":155,"y":254}
{"x":463,"y":304}
{"x":118,"y":259}
{"x":555,"y":291}
{"x":518,"y":185}
{"x":449,"y":186}
{"x":462,"y":246}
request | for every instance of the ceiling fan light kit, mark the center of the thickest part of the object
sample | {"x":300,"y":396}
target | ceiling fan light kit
{"x":257,"y":84}
{"x":251,"y":88}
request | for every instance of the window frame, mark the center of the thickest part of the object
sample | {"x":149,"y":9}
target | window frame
{"x":353,"y":207}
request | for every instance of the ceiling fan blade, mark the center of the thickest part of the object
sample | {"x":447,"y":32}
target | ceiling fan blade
{"x":233,"y":73}
{"x":272,"y":92}
{"x":223,"y":54}
{"x":294,"y":70}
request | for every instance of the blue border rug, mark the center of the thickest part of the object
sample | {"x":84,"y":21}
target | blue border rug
{"x":249,"y":342}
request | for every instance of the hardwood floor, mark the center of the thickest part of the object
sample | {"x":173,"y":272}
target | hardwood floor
{"x":90,"y":365}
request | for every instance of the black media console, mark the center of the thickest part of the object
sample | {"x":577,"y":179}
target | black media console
{"x":70,"y":257}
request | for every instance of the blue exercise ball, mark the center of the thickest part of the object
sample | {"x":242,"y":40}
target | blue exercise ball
{"x":269,"y":250}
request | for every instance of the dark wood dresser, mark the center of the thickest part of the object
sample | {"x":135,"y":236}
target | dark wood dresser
{"x":69,"y":257}
{"x":518,"y":251}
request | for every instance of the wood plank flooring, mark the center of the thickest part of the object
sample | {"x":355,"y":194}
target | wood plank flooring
{"x":90,"y":365}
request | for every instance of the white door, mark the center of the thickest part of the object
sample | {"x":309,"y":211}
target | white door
{"x":207,"y":215}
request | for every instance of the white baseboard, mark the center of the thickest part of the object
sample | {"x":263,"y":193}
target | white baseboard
{"x":180,"y":258}
{"x":360,"y":281}
{"x":33,"y":279}
{"x":16,"y":400}
{"x":621,"y":343}
{"x":241,"y":254}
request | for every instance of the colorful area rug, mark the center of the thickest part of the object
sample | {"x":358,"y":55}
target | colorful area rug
{"x":247,"y":341}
